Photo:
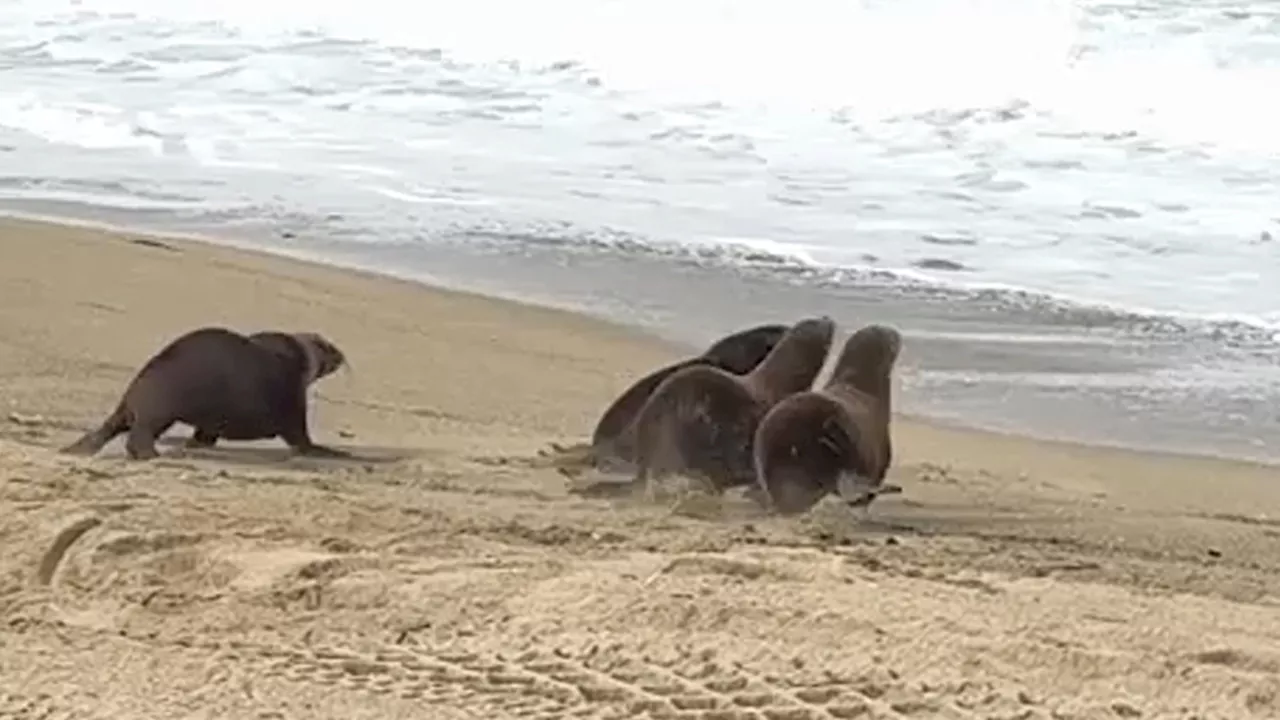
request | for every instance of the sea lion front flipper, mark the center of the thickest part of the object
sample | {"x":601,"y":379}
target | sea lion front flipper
{"x":860,"y":492}
{"x":855,"y":489}
{"x":296,"y":435}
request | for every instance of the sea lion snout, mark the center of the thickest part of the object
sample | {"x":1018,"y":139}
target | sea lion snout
{"x":815,"y":330}
{"x":874,"y":346}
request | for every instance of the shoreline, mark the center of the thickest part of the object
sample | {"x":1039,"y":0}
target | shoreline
{"x":648,"y":333}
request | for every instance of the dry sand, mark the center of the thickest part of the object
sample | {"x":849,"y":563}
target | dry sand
{"x":452,"y":575}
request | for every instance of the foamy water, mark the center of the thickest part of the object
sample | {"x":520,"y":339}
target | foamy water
{"x":1041,"y":154}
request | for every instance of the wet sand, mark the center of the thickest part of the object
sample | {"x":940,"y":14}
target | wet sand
{"x":449,"y":573}
{"x":977,"y":361}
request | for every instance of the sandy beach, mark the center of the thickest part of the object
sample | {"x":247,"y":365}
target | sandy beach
{"x":449,"y":574}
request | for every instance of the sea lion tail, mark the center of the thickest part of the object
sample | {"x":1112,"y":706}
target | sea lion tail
{"x":93,"y":441}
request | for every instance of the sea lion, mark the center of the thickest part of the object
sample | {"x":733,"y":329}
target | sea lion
{"x":224,"y":385}
{"x":738,"y":353}
{"x":835,"y":439}
{"x":701,"y":419}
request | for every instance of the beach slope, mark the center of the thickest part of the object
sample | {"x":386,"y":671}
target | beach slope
{"x":449,"y":574}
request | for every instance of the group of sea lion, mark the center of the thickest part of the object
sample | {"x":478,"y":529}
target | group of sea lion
{"x":745,"y":414}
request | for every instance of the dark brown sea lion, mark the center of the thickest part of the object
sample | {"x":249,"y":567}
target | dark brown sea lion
{"x":738,"y":353}
{"x":836,"y":439}
{"x":700,"y":420}
{"x":224,"y":385}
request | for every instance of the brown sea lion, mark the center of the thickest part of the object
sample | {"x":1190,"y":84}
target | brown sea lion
{"x":738,"y":353}
{"x":224,"y":385}
{"x":835,"y":439}
{"x":700,"y":420}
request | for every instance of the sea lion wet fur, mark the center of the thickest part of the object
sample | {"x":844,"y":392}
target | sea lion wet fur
{"x":225,"y":385}
{"x":700,"y":421}
{"x":836,"y":439}
{"x":738,"y":353}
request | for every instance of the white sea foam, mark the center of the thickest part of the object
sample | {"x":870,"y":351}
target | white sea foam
{"x":1116,"y":152}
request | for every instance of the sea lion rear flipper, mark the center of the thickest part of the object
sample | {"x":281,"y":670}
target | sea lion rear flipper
{"x":87,"y":444}
{"x":94,"y":440}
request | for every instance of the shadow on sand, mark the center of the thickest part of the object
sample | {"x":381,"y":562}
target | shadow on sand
{"x":276,"y":454}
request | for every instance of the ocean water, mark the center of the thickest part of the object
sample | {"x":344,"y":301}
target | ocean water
{"x":1072,"y":208}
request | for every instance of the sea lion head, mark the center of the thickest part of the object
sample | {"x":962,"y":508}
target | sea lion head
{"x":323,"y":357}
{"x":868,"y":357}
{"x":811,"y":335}
{"x":798,"y":357}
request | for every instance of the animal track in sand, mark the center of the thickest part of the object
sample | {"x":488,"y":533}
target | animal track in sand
{"x":569,"y":460}
{"x":37,"y":706}
{"x":31,"y":429}
{"x":609,"y":683}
